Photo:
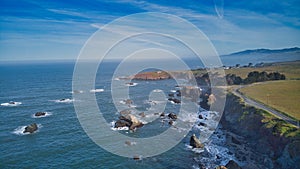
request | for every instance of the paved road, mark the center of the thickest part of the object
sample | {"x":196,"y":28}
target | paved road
{"x":264,"y":107}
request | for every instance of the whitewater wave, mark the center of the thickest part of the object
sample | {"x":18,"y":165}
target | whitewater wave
{"x":112,"y":127}
{"x":64,"y":101}
{"x":188,"y":117}
{"x":195,"y":150}
{"x":173,"y":91}
{"x":122,"y":102}
{"x":157,"y":90}
{"x":172,"y":102}
{"x":11,"y":103}
{"x":96,"y":90}
{"x":19,"y":130}
{"x":215,"y":151}
{"x":77,"y":91}
{"x":46,"y":115}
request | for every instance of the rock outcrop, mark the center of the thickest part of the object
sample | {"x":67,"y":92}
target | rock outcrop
{"x":128,"y":120}
{"x":172,"y":116}
{"x":31,"y":128}
{"x":195,"y":142}
{"x":37,"y":114}
{"x":174,"y":100}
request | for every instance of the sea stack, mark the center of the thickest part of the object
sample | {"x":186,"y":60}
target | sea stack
{"x":31,"y":128}
{"x":128,"y":121}
{"x":195,"y":142}
{"x":37,"y":114}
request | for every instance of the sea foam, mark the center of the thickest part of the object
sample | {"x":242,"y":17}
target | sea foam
{"x":64,"y":101}
{"x":77,"y":91}
{"x":96,"y":90}
{"x":112,"y":126}
{"x":12,"y":104}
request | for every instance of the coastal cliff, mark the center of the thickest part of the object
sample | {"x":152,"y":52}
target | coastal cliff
{"x":259,"y":139}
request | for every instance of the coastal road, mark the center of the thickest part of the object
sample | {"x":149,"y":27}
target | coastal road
{"x":256,"y":104}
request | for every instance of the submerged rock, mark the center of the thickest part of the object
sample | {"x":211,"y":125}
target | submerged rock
{"x":40,"y":114}
{"x":195,"y":142}
{"x":31,"y":128}
{"x":142,"y":114}
{"x":136,"y":157}
{"x":171,"y":94}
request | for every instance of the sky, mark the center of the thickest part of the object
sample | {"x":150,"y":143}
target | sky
{"x":58,"y":29}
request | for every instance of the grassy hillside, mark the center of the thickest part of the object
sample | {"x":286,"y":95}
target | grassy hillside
{"x":281,"y":95}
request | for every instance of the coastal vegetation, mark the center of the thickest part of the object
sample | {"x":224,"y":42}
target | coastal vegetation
{"x":270,"y":141}
{"x":289,"y":69}
{"x":253,"y":77}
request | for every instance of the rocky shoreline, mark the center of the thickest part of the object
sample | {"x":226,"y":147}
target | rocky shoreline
{"x":259,"y":139}
{"x":256,"y":138}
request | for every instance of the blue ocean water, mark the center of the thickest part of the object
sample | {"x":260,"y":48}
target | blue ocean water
{"x":60,"y":141}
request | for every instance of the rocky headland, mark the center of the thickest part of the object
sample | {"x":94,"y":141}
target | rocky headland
{"x":158,"y":75}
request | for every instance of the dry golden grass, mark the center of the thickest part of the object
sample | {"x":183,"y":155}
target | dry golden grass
{"x":281,"y":95}
{"x":290,"y":69}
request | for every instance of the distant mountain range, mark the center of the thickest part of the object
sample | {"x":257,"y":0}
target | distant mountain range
{"x":268,"y":51}
{"x":261,"y":55}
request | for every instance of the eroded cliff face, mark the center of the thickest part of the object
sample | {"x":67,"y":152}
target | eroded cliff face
{"x":259,"y":139}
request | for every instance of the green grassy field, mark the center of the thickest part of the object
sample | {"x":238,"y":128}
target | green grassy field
{"x":280,"y":95}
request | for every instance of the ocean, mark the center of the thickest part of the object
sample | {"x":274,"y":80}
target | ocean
{"x":60,"y":141}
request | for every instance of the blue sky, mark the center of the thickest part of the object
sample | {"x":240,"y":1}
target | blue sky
{"x":57,"y":29}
